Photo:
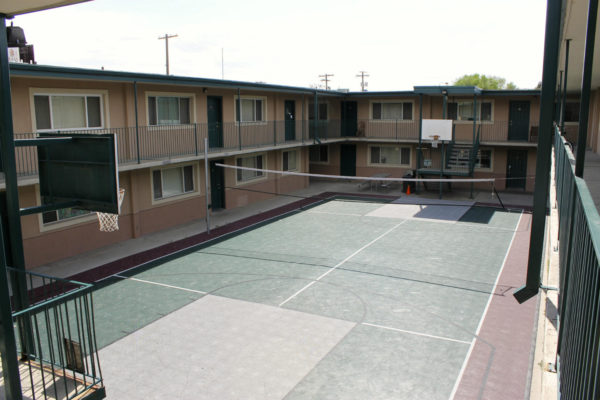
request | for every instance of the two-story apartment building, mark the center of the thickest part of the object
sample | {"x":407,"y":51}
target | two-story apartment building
{"x":161,"y":123}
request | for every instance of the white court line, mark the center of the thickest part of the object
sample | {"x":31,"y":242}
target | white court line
{"x":417,"y":333}
{"x":341,"y":263}
{"x":161,"y":284}
{"x":487,"y":306}
{"x":334,"y":213}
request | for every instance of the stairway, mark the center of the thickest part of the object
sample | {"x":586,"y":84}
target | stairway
{"x":459,"y":157}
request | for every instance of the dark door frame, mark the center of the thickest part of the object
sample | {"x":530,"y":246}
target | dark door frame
{"x":516,"y":167}
{"x":518,"y":120}
{"x":217,"y":185}
{"x":347,"y":166}
{"x":215,"y":132}
{"x":289,"y":111}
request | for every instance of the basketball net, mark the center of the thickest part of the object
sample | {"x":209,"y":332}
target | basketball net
{"x":434,"y":143}
{"x":110,"y":222}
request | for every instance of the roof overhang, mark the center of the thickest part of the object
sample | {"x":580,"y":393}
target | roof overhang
{"x":574,"y":27}
{"x":10,"y":8}
{"x":448,"y":90}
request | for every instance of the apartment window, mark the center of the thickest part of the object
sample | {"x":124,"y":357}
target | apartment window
{"x":463,"y":111}
{"x":168,"y":110}
{"x":62,"y":214}
{"x":54,"y":112}
{"x":572,"y":112}
{"x":252,"y":109}
{"x":290,"y":160}
{"x":319,"y":154}
{"x":169,"y":182}
{"x":249,"y":162}
{"x":484,"y":159}
{"x":390,"y":155}
{"x":392,"y":111}
{"x":322,"y":110}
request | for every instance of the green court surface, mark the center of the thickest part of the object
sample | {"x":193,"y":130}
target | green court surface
{"x":399,"y":299}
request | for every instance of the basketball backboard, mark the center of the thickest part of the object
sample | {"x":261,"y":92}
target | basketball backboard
{"x":84,"y":169}
{"x":442,"y":128}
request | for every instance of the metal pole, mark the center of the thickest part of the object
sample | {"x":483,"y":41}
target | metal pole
{"x":303,"y":119}
{"x":559,"y":97}
{"x":586,"y":83}
{"x":474,"y":117}
{"x":206,"y":185}
{"x":239,"y":118}
{"x":7,"y":155}
{"x":441,"y":168}
{"x":564,"y":99}
{"x":137,"y":126}
{"x":316,"y":117}
{"x":420,"y":134}
{"x":543,"y":159}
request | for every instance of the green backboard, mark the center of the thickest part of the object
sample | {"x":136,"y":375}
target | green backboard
{"x":83,"y":169}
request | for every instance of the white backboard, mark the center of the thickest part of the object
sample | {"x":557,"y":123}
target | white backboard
{"x":437,"y":127}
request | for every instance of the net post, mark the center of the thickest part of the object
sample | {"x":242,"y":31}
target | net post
{"x":207,"y":218}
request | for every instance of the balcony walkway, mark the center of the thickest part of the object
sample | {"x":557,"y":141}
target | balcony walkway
{"x":591,"y":175}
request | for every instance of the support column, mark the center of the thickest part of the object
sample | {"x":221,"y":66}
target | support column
{"x":586,"y":83}
{"x":10,"y":368}
{"x":544,"y":150}
{"x":564,"y":99}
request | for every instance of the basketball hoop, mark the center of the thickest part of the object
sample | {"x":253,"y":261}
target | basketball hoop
{"x":434,"y":143}
{"x":110,"y":222}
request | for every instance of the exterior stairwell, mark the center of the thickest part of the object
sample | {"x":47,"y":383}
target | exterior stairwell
{"x":459,"y":158}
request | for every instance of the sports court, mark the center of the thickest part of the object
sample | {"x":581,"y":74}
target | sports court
{"x":349,"y":298}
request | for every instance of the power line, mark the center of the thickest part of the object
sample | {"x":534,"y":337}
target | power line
{"x":362,"y":75}
{"x":166,"y":38}
{"x":326,"y":80}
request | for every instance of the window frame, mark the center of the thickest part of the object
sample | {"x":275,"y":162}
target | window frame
{"x":102,"y":95}
{"x":237,"y":118}
{"x":253,"y":179}
{"x":478,"y":164}
{"x":390,"y":165}
{"x":86,"y":217}
{"x":297,"y":167}
{"x":320,"y":146}
{"x":479,"y":105}
{"x":195,"y":189}
{"x":179,"y":95}
{"x":411,"y":102}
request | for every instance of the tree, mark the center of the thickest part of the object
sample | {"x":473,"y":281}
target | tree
{"x":484,"y":82}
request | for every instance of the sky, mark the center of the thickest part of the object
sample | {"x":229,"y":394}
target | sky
{"x":399,"y":43}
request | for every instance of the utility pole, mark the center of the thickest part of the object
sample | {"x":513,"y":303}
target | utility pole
{"x":326,"y":80}
{"x":362,"y":75}
{"x":166,"y":38}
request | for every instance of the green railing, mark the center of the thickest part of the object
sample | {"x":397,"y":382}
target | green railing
{"x":579,"y":288}
{"x":56,"y":339}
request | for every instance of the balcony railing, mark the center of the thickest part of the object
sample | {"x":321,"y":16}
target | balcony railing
{"x":56,"y":339}
{"x":147,"y":143}
{"x":579,"y":264}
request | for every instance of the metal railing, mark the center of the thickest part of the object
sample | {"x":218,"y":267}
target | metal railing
{"x":147,"y":143}
{"x":578,"y":351}
{"x":56,"y":338}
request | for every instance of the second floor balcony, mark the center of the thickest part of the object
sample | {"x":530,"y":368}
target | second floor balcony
{"x":143,"y":144}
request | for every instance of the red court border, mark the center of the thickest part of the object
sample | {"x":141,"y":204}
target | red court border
{"x":499,"y":366}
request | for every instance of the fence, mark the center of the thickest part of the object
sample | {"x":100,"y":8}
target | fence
{"x":56,"y":339}
{"x":579,"y":301}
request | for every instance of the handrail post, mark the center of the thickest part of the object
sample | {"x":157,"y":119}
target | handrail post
{"x":196,"y":137}
{"x":137,"y":126}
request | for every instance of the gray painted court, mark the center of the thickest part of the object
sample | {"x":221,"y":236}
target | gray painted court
{"x":345,"y":300}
